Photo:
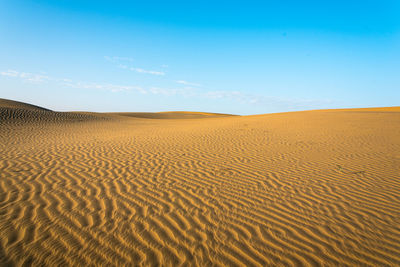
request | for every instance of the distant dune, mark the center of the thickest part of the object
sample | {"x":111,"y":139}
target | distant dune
{"x":317,"y":188}
{"x":171,"y":115}
{"x":17,"y":111}
{"x":5,"y":103}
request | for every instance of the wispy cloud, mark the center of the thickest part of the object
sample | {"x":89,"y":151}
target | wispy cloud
{"x":122,"y":63}
{"x":189,"y":90}
{"x":270,"y":102}
{"x":188,"y":83}
{"x":26,"y":76}
{"x":105,"y":86}
{"x":10,"y":73}
{"x":225,"y":94}
{"x":139,"y":70}
{"x":40,"y":78}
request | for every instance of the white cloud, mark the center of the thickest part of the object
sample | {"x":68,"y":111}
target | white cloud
{"x":10,"y":73}
{"x":188,"y":83}
{"x":139,"y":70}
{"x":105,"y":86}
{"x":120,"y":65}
{"x":270,"y":102}
{"x":186,"y":91}
{"x":39,"y":78}
{"x":36,"y":78}
{"x":26,"y":76}
{"x":224,"y":94}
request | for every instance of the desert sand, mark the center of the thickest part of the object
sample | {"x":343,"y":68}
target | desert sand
{"x":168,"y":189}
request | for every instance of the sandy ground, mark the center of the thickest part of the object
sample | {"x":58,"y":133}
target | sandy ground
{"x":289,"y":189}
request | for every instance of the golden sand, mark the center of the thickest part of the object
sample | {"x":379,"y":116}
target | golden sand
{"x":290,"y":189}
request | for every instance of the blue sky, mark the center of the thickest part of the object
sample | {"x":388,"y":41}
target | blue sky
{"x":242,"y":57}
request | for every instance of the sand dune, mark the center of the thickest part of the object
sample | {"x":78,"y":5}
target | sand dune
{"x":18,"y":112}
{"x":6,"y":103}
{"x":171,"y":115}
{"x":290,"y":189}
{"x":12,"y":111}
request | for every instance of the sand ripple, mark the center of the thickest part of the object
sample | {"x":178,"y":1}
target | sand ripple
{"x":305,"y":188}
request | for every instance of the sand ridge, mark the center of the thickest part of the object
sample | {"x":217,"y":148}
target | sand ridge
{"x":295,"y":189}
{"x":18,"y":112}
{"x":172,"y":115}
{"x":15,"y":111}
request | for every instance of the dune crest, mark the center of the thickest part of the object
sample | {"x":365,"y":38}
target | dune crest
{"x":18,"y":112}
{"x":302,"y":188}
{"x":172,"y":115}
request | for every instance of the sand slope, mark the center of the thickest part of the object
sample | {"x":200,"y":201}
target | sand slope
{"x":171,"y":115}
{"x":18,"y":112}
{"x":304,"y":188}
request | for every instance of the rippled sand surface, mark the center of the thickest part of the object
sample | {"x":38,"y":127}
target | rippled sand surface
{"x":291,"y":189}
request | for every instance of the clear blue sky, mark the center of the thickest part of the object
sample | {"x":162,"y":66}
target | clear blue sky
{"x":242,"y":57}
